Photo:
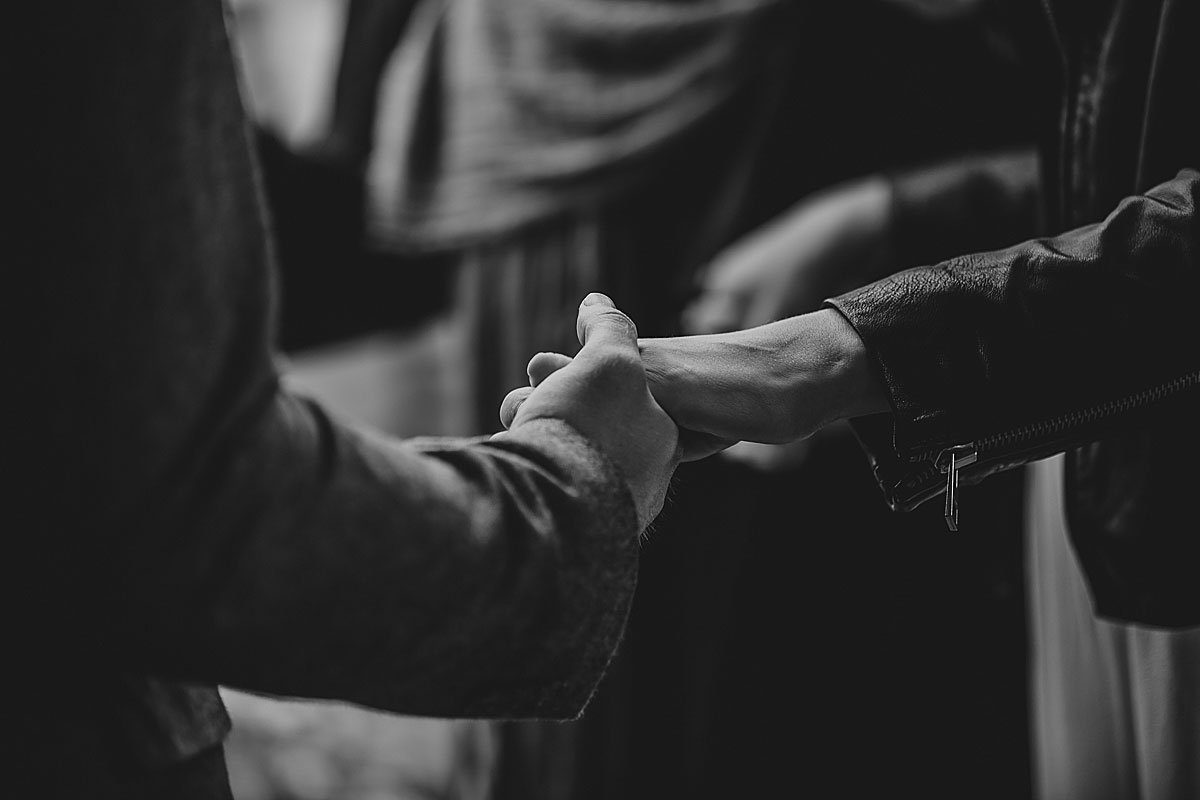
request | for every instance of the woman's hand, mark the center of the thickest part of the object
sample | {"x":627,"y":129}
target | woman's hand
{"x":775,"y":383}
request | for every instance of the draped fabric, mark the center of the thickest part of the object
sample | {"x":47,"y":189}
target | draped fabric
{"x":1116,"y":712}
{"x":498,"y":114}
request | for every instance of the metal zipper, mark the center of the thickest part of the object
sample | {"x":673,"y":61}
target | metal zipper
{"x":951,"y":460}
{"x":957,"y":457}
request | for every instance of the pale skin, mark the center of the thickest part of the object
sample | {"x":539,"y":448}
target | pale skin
{"x":603,"y":393}
{"x":830,"y":241}
{"x":763,"y":366}
{"x":772,"y":383}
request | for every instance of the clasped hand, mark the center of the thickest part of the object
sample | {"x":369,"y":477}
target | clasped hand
{"x":652,"y":403}
{"x":602,"y":393}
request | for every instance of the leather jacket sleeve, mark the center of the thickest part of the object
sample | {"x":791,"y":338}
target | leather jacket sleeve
{"x":1007,"y":356}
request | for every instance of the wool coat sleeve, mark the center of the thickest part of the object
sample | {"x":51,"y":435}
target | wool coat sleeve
{"x":191,"y":518}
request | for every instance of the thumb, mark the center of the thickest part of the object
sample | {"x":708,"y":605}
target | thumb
{"x":600,"y":322}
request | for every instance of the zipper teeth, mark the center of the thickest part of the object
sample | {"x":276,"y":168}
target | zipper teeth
{"x":1092,"y":414}
{"x":1056,"y":424}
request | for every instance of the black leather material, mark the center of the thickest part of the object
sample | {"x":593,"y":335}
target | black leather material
{"x":1085,"y":342}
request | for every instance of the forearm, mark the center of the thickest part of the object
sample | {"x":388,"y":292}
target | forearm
{"x":187,"y":518}
{"x":773,"y":383}
{"x":969,"y":348}
{"x":444,"y":578}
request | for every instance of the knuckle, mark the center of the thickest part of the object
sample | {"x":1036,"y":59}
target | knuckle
{"x":618,"y":319}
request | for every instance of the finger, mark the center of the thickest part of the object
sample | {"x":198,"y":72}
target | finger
{"x":511,"y":404}
{"x":543,"y":365}
{"x":600,"y":322}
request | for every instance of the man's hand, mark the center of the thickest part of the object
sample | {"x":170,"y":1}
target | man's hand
{"x":602,"y":393}
{"x":775,"y":383}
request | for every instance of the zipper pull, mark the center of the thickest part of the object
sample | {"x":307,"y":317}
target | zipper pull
{"x":950,"y":461}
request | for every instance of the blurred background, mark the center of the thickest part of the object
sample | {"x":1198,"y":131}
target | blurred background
{"x":392,"y":368}
{"x":446,"y":179}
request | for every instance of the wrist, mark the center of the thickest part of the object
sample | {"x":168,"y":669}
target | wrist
{"x":859,"y":385}
{"x":838,"y":379}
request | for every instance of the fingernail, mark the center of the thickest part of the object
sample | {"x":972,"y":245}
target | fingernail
{"x":595,"y":298}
